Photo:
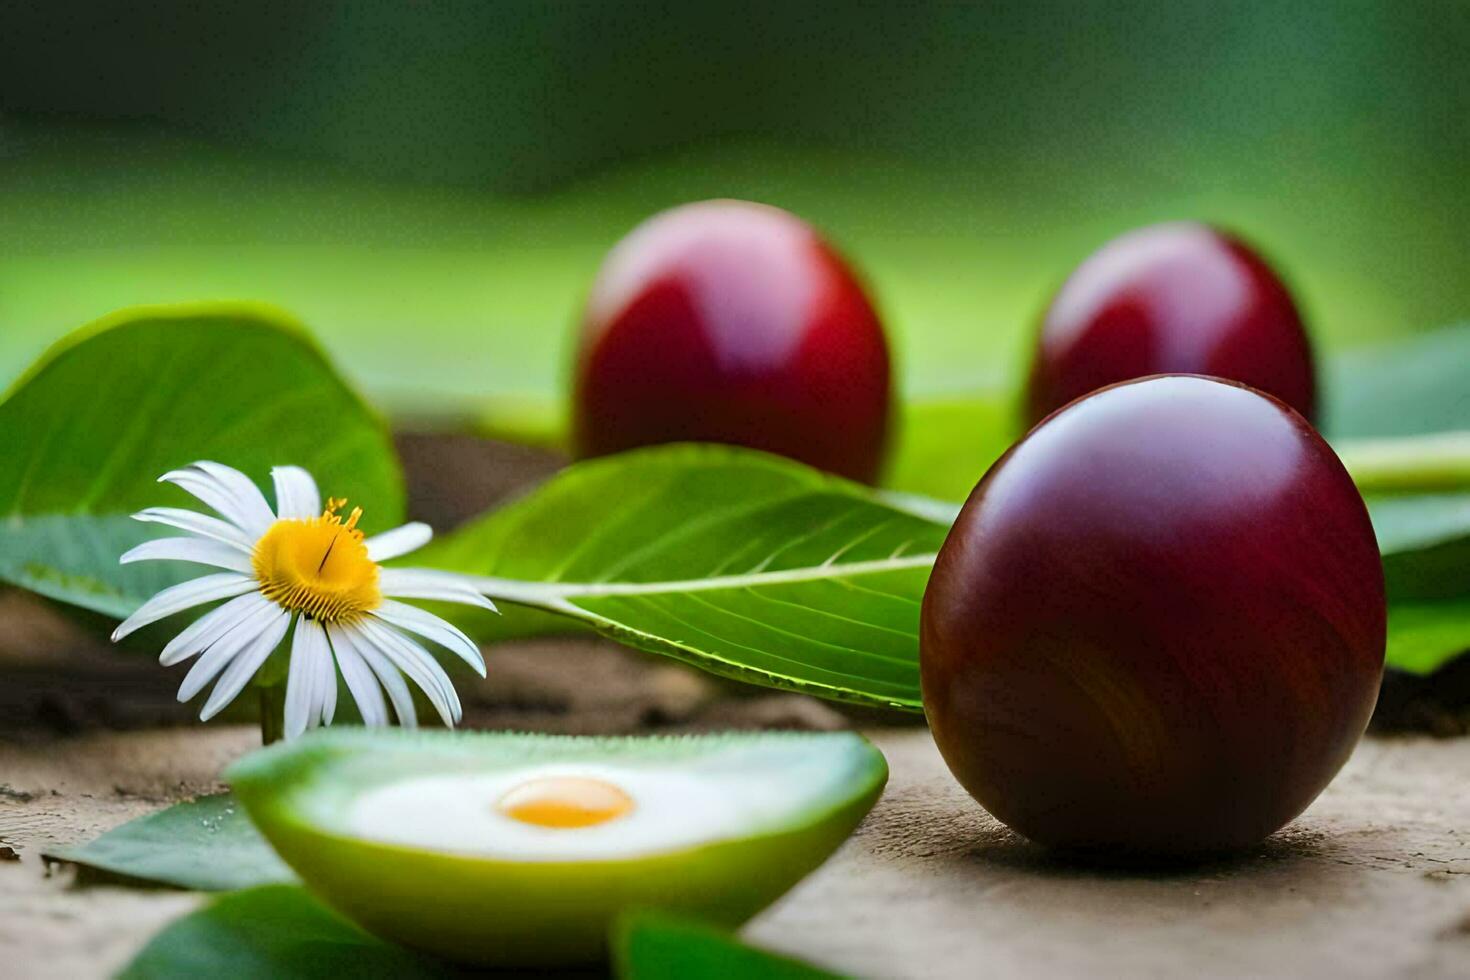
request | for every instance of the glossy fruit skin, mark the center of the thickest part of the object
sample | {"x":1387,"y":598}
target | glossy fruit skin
{"x":1179,"y":298}
{"x":1158,"y":625}
{"x":733,"y":322}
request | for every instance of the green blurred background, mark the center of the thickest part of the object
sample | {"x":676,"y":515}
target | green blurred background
{"x":431,"y":186}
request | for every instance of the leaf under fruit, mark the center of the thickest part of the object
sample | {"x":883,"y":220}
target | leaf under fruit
{"x":741,"y":563}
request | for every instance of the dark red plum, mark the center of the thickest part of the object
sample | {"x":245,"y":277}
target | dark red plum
{"x":732,"y":322}
{"x":1158,"y":625}
{"x":1171,"y":299}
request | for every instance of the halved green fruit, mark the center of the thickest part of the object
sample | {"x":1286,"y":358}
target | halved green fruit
{"x":517,"y":850}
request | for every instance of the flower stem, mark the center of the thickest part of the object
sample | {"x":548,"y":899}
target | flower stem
{"x":272,"y":713}
{"x":1436,"y":462}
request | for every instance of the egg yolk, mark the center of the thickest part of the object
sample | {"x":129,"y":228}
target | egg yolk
{"x":565,"y":802}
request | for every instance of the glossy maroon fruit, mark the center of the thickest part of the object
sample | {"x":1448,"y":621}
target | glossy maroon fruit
{"x":1171,"y":299}
{"x":726,"y":321}
{"x":1158,"y":624}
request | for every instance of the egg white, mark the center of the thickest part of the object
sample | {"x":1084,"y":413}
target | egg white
{"x":673,"y":810}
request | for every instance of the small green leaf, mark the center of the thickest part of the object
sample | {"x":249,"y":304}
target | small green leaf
{"x":740,"y":563}
{"x":270,"y":932}
{"x":654,"y":946}
{"x":207,"y":844}
{"x":89,"y":430}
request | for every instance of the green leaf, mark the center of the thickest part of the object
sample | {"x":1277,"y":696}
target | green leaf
{"x":1415,"y":388}
{"x":744,"y":564}
{"x":1425,"y":540}
{"x":1410,"y":387}
{"x":207,"y":844}
{"x":1424,"y":636}
{"x":1428,"y":463}
{"x":654,"y":946}
{"x":271,"y":932}
{"x":90,"y":428}
{"x":282,"y":931}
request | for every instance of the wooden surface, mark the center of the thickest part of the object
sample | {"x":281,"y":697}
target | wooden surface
{"x":1374,"y":881}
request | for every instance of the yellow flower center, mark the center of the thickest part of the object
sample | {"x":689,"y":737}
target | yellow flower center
{"x":318,"y":567}
{"x":565,"y":802}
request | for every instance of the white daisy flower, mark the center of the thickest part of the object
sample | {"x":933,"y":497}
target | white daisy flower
{"x":305,"y":565}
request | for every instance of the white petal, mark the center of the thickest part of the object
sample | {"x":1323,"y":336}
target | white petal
{"x":418,"y":664}
{"x":359,"y":678}
{"x":210,"y":493}
{"x":302,"y":676}
{"x":243,"y":667}
{"x":221,"y":651}
{"x":200,"y":551}
{"x":228,"y":491}
{"x":297,"y":497}
{"x":426,"y":583}
{"x":387,"y":675}
{"x":327,"y":692}
{"x":186,"y":595}
{"x":210,"y":627}
{"x":200,"y":524}
{"x":431,"y":627}
{"x":399,"y":541}
{"x":246,"y":492}
{"x":298,"y":685}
